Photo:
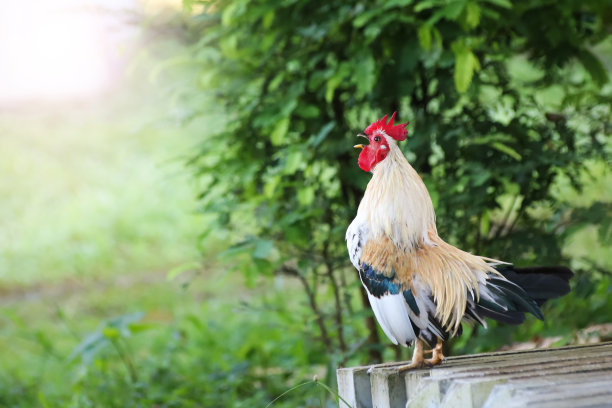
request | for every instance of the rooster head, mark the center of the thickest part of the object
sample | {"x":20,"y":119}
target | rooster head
{"x":376,"y":133}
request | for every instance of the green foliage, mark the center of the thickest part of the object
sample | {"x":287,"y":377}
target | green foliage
{"x":505,"y":98}
{"x":213,"y":354}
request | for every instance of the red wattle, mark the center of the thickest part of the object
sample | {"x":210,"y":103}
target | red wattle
{"x":381,"y":154}
{"x":367,"y":158}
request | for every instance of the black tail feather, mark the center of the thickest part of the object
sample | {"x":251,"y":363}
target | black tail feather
{"x":515,"y":296}
{"x":510,"y":317}
{"x":524,"y":291}
{"x":540,"y":283}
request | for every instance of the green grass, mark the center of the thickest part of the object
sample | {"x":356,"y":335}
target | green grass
{"x":199,"y":343}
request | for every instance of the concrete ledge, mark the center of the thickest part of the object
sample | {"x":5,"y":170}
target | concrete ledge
{"x":574,"y":376}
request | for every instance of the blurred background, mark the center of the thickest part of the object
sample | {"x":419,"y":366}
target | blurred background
{"x":177,"y":178}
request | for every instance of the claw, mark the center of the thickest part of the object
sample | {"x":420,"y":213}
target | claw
{"x":437,"y":356}
{"x":419,"y":362}
{"x":417,"y":358}
{"x":412,"y":366}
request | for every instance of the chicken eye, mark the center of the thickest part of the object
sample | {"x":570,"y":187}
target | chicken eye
{"x":377,"y":139}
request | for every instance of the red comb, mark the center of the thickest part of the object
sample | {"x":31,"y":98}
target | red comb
{"x":398,"y":132}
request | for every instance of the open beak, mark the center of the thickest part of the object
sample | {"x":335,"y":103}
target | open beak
{"x":360,"y":146}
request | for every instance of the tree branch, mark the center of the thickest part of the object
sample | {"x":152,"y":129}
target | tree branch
{"x":500,"y":227}
{"x":310,"y":294}
{"x":373,"y":337}
{"x":336,"y":290}
{"x":346,"y":297}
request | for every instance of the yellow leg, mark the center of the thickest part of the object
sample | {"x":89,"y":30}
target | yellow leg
{"x":437,"y":355}
{"x":417,"y":358}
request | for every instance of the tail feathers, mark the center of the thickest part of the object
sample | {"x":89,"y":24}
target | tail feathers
{"x":505,"y":301}
{"x":523,"y":290}
{"x":540,"y":283}
{"x":514,"y":297}
{"x":508,"y":317}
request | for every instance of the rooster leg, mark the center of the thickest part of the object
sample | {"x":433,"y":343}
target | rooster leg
{"x":417,"y":358}
{"x":437,"y":356}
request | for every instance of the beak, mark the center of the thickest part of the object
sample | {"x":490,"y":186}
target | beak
{"x":360,"y":146}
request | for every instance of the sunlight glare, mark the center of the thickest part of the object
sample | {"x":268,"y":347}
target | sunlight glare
{"x":50,"y":51}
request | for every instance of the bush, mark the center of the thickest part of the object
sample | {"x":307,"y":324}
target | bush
{"x":506,"y":99}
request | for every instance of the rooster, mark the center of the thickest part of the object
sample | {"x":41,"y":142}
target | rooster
{"x":420,"y":287}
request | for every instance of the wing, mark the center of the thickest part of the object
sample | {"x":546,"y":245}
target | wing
{"x":357,"y":235}
{"x":404,"y":311}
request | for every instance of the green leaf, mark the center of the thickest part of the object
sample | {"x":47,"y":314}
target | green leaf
{"x":293,"y":162}
{"x":485,"y":224}
{"x":503,"y":110}
{"x":466,"y":64}
{"x":508,"y":150}
{"x":268,"y":19}
{"x":263,"y":248}
{"x":142,"y":327}
{"x":501,"y":3}
{"x":365,"y":74}
{"x":279,"y":132}
{"x":400,"y":3}
{"x":232,"y":11}
{"x":453,"y":9}
{"x":236,"y":250}
{"x":275,"y":83}
{"x":42,"y":400}
{"x":306,"y":195}
{"x":426,"y":4}
{"x":110,"y":333}
{"x":270,"y":186}
{"x":332,"y":84}
{"x":472,"y":15}
{"x":424,"y":34}
{"x":341,"y":73}
{"x":521,"y":69}
{"x":188,"y":6}
{"x":122,"y":322}
{"x":365,"y":17}
{"x":551,"y":97}
{"x":176,"y":271}
{"x":490,"y":138}
{"x":307,"y":111}
{"x":594,"y":67}
{"x":316,"y":141}
{"x":89,"y":347}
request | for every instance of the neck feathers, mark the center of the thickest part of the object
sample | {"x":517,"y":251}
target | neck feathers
{"x":396,"y":202}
